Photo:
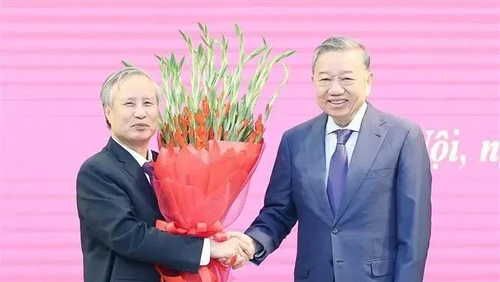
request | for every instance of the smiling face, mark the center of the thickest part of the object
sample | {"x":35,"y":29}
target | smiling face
{"x":133,"y":112}
{"x":342,"y":83}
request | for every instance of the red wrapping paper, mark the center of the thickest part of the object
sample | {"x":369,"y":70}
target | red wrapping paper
{"x":201,"y":192}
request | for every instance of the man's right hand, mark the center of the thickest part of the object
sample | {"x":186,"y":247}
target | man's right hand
{"x":234,"y":246}
{"x":239,"y":245}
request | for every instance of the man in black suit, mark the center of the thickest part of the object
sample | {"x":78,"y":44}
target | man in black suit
{"x":117,"y":206}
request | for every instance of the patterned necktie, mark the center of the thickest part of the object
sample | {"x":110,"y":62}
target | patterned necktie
{"x":148,"y":169}
{"x":338,"y":170}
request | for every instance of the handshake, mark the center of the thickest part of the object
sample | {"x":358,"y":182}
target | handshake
{"x":237,"y":245}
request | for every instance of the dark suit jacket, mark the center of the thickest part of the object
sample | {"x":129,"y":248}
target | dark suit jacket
{"x":118,"y":209}
{"x":382,"y":228}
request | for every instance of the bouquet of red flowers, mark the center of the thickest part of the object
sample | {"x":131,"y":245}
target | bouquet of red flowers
{"x":209,"y":143}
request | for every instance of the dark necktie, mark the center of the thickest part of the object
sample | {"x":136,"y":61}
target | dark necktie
{"x":338,"y":170}
{"x":148,"y":169}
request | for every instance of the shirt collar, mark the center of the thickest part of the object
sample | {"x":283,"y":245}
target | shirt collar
{"x":354,"y":125}
{"x":138,"y":157}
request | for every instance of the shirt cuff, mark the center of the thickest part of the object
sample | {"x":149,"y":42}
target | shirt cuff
{"x":259,"y":249}
{"x":205,"y":252}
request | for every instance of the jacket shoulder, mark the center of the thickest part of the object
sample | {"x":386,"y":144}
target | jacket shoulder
{"x":303,"y":128}
{"x":98,"y":161}
{"x":399,"y":122}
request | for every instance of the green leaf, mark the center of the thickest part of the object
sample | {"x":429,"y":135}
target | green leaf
{"x":127,"y":64}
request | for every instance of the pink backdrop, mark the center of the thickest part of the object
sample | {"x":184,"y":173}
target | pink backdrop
{"x":435,"y":62}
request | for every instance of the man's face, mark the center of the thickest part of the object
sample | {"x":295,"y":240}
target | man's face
{"x":342,"y":84}
{"x":133,"y":113}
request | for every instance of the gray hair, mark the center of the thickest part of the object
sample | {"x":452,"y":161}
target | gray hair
{"x":341,"y":43}
{"x":118,"y":77}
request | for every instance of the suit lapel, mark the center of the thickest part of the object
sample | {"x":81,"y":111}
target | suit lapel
{"x":314,"y":155}
{"x":370,"y":138}
{"x":137,"y":173}
{"x":132,"y":168}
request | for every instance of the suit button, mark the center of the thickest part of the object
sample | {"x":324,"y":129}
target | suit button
{"x":335,"y":231}
{"x":331,"y":262}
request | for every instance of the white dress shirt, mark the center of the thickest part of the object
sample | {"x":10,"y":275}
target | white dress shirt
{"x":331,"y":137}
{"x":205,"y":252}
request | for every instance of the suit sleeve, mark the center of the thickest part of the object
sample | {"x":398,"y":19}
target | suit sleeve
{"x":414,"y":182}
{"x":278,"y":216}
{"x":107,"y":213}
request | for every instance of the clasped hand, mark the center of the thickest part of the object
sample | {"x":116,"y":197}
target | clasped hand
{"x":237,"y":245}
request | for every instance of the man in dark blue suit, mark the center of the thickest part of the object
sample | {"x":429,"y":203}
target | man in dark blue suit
{"x":117,"y":207}
{"x":356,"y":179}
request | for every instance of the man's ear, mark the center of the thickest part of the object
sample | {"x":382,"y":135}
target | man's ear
{"x":369,"y":82}
{"x":107,"y":111}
